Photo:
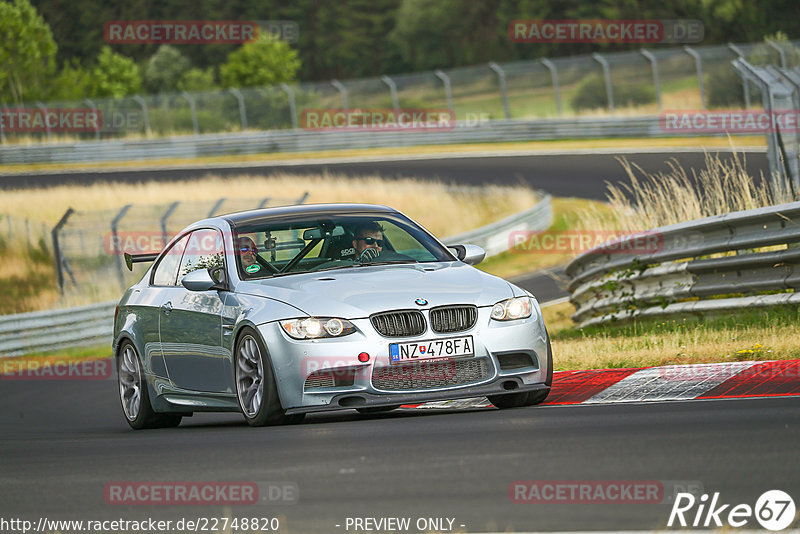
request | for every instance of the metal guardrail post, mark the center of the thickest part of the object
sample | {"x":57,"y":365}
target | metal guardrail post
{"x":57,"y":248}
{"x":780,"y":50}
{"x":89,"y":102}
{"x":292,"y":105}
{"x":242,"y":110}
{"x":139,"y":100}
{"x":114,"y":223}
{"x":342,"y":91}
{"x":501,"y":78}
{"x":163,"y":221}
{"x":607,"y":76}
{"x":188,"y":96}
{"x":554,"y":76}
{"x":654,"y":66}
{"x":217,"y":205}
{"x":698,"y":63}
{"x":46,"y":125}
{"x":393,"y":90}
{"x":448,"y":92}
{"x":745,"y":82}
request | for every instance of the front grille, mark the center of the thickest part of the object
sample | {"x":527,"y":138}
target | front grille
{"x":430,"y":375}
{"x":399,"y":323}
{"x":447,"y":319}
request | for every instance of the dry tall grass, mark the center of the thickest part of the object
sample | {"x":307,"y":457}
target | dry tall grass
{"x":440,"y":207}
{"x":651,"y":200}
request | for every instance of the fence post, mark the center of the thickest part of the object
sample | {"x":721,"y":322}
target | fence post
{"x":302,"y":198}
{"x":89,"y":102}
{"x":393,"y":90}
{"x":699,"y":66}
{"x":164,"y":218}
{"x":501,"y":78}
{"x":292,"y":104}
{"x":780,"y":50}
{"x":556,"y":88}
{"x":10,"y":229}
{"x":57,"y":248}
{"x":217,"y":205}
{"x":342,"y":91}
{"x":745,"y":82}
{"x":46,"y":126}
{"x":114,"y":240}
{"x":2,"y":132}
{"x":263,"y":203}
{"x":448,"y":92}
{"x":242,"y":110}
{"x":139,"y":100}
{"x":607,"y":75}
{"x":193,"y":107}
{"x":654,"y":66}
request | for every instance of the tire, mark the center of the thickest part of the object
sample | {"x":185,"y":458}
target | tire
{"x":377,"y":409}
{"x":255,"y":383}
{"x":134,"y":395}
{"x":530,"y":398}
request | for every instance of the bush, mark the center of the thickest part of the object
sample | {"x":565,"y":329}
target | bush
{"x":591,"y":94}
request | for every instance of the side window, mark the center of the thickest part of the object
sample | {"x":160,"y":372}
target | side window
{"x":166,"y":273}
{"x":203,"y":250}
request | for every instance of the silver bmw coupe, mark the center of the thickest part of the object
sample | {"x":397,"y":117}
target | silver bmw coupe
{"x":279,"y":312}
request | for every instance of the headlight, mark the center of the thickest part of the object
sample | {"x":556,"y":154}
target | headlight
{"x":513,"y":308}
{"x":317,"y":327}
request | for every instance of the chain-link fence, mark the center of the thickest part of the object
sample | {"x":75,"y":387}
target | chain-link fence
{"x":21,"y":232}
{"x":89,"y":245}
{"x":634,"y":82}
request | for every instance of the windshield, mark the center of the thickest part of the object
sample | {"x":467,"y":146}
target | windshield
{"x":319,"y":243}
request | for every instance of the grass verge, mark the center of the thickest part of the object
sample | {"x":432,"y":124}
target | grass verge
{"x":455,"y":149}
{"x":754,"y":334}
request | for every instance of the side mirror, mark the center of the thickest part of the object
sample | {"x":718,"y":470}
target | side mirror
{"x":205,"y":279}
{"x":469,"y":254}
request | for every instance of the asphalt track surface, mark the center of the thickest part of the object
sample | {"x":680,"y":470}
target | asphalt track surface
{"x":63,"y":441}
{"x":570,"y":175}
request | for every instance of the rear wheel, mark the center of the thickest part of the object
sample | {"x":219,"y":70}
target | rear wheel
{"x":134,"y":395}
{"x":255,"y":383}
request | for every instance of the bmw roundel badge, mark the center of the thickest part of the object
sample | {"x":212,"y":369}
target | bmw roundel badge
{"x":421,"y":302}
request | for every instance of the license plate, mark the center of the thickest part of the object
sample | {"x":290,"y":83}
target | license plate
{"x":454,"y":347}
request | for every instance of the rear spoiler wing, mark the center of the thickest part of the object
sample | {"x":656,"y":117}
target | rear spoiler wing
{"x":130,"y":259}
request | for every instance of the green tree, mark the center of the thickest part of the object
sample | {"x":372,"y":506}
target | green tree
{"x":27,"y":52}
{"x":265,"y":61}
{"x":114,"y":75}
{"x":164,"y":70}
{"x":197,"y":80}
{"x":73,"y":82}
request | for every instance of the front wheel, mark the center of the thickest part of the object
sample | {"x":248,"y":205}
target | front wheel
{"x":134,"y":395}
{"x":255,"y":383}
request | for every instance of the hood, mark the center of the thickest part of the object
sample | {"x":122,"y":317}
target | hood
{"x":362,"y":291}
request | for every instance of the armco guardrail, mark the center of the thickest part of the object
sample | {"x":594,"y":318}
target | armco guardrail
{"x":678,"y":276}
{"x":494,"y":237}
{"x":56,"y":329}
{"x":309,"y":141}
{"x":93,"y":325}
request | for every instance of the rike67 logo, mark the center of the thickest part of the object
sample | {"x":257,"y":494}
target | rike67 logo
{"x":774,"y":510}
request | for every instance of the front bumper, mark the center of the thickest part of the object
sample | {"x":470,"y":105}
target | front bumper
{"x":293,"y":361}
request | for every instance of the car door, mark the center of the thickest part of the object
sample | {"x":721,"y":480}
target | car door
{"x":191,"y":321}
